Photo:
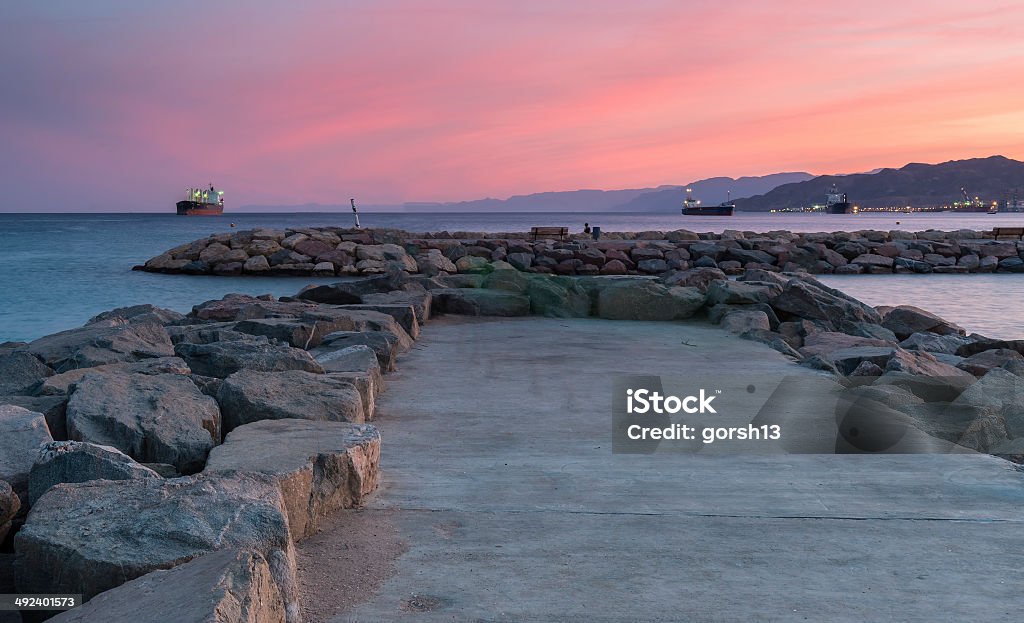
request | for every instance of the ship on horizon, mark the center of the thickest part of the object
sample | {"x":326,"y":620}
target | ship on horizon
{"x":692,"y":207}
{"x":202,"y":202}
{"x":837,"y":203}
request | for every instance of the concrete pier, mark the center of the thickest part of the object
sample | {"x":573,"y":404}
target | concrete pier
{"x":499,"y":478}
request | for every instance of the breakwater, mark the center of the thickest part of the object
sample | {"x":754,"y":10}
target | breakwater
{"x":330,"y":252}
{"x":247,"y":417}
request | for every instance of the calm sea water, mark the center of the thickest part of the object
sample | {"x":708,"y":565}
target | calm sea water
{"x":58,"y":270}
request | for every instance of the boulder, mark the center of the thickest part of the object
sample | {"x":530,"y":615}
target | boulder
{"x":319,"y":467}
{"x":61,"y":384}
{"x":508,"y":280}
{"x":10,"y":504}
{"x":250,"y":396}
{"x":229,"y":586}
{"x":557,"y":298}
{"x":256,"y":264}
{"x":740,"y":321}
{"x":418,"y":298}
{"x":647,"y":300}
{"x":472,"y":264}
{"x":741,"y":292}
{"x":96,"y":345}
{"x":403,"y":313}
{"x":933,"y":343}
{"x":432,"y":262}
{"x":924,"y":364}
{"x":136,"y":314}
{"x":809,"y":300}
{"x":998,"y":393}
{"x":700,"y":278}
{"x":161,"y":418}
{"x":22,"y":432}
{"x":480,"y":302}
{"x":76,"y":461}
{"x":53,"y":409}
{"x":928,"y":388}
{"x":846,"y":360}
{"x":385,"y":345}
{"x":350,"y":359}
{"x":21,"y":372}
{"x":221,"y":359}
{"x":871,"y":260}
{"x":905,"y":320}
{"x":93,"y":536}
{"x":981,"y":363}
{"x":824,"y":342}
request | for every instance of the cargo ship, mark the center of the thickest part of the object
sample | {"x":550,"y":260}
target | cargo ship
{"x":692,"y":207}
{"x":202,"y":202}
{"x":836,"y":202}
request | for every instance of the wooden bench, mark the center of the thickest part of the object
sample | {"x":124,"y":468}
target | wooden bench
{"x":1008,"y":233}
{"x":561,"y":232}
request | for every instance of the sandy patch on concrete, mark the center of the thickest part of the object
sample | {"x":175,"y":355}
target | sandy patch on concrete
{"x":346,"y":562}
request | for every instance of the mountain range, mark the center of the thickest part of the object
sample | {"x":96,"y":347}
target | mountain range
{"x":992,"y":179}
{"x":921,"y":185}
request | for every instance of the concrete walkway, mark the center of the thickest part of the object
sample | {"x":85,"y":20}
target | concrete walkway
{"x":500,"y":479}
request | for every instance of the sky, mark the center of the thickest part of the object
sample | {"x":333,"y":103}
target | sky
{"x":120,"y":105}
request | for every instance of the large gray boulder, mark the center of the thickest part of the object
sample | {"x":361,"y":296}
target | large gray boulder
{"x":480,"y":302}
{"x":824,"y":342}
{"x":77,"y":461}
{"x":809,"y":300}
{"x":229,"y":586}
{"x":21,"y":372}
{"x":403,"y":313}
{"x":161,"y":418}
{"x":95,"y":345}
{"x":136,"y":314}
{"x":933,"y":343}
{"x":981,"y":363}
{"x":10,"y":504}
{"x":741,"y":292}
{"x":250,"y":396}
{"x":384,"y":344}
{"x":647,"y":300}
{"x":700,"y":278}
{"x":417,"y":297}
{"x":319,"y":467}
{"x":557,"y":297}
{"x":93,"y":536}
{"x":221,"y":359}
{"x":53,"y":409}
{"x":998,"y":392}
{"x":22,"y":432}
{"x":62,"y":384}
{"x":905,"y":320}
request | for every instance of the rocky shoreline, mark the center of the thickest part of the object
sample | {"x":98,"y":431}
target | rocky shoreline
{"x":329,"y":252}
{"x":150,"y":454}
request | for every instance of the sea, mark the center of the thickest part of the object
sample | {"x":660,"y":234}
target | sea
{"x":59,"y":270}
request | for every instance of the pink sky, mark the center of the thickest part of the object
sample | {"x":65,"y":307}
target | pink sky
{"x":115,"y":106}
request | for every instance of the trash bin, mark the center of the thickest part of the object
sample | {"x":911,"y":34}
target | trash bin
{"x":595,"y":232}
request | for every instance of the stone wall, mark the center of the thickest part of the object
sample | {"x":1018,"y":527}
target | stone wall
{"x":348,"y":252}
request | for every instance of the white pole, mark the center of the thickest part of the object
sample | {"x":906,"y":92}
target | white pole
{"x":355,"y":212}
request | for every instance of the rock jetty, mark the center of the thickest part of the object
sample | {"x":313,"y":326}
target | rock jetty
{"x":151,"y":454}
{"x":328,"y":252}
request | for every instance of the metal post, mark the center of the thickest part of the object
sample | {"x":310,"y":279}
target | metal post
{"x":355,"y":212}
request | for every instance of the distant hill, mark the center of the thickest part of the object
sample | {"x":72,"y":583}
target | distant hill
{"x":919,"y":185}
{"x":561,"y":201}
{"x":711,"y":191}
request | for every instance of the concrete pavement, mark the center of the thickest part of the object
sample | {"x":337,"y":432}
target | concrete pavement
{"x":499,"y":476}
